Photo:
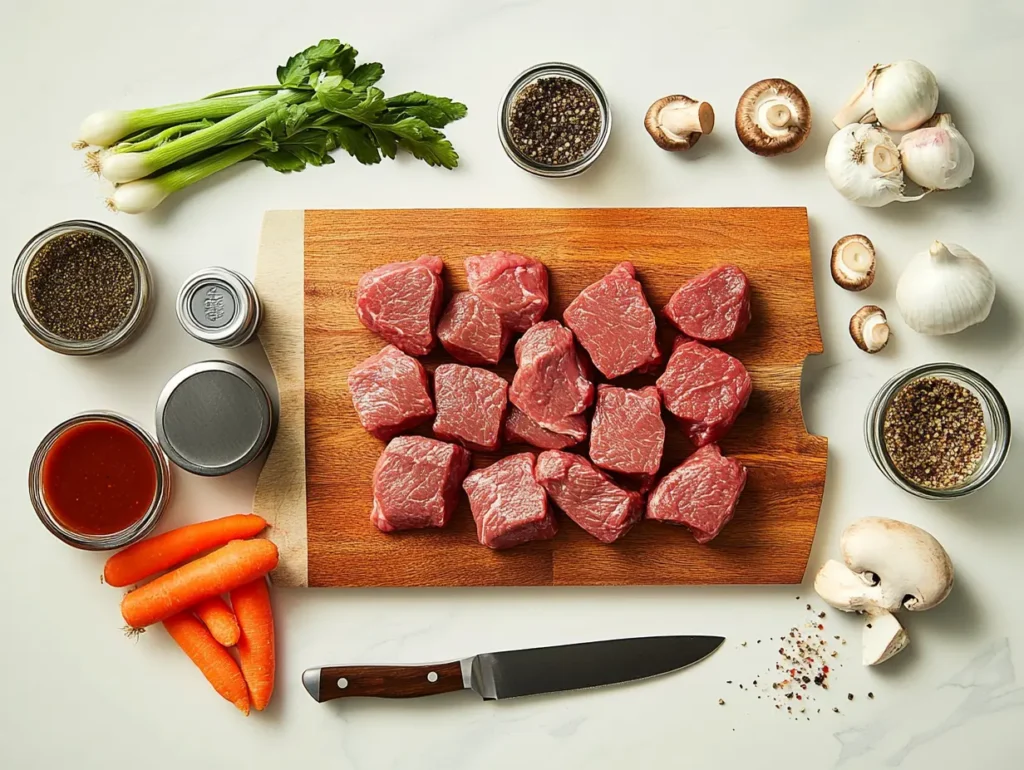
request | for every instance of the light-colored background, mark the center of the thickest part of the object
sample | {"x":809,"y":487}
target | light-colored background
{"x":75,"y":693}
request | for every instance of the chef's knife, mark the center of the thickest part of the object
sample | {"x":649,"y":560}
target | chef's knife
{"x":509,"y":674}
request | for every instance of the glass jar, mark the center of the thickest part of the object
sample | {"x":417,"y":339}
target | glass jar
{"x":532,"y":75}
{"x":997,"y":429}
{"x":98,"y":542}
{"x":133,"y":322}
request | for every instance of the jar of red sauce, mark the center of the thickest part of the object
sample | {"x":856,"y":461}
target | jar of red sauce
{"x":99,"y":481}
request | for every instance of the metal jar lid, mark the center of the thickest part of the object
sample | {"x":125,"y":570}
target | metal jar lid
{"x":219,"y":306}
{"x":213,"y":418}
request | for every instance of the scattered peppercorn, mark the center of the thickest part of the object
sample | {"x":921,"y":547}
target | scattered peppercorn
{"x":849,"y":696}
{"x":721,"y":702}
{"x":80,"y":286}
{"x":835,"y":709}
{"x":934,"y":431}
{"x":555,"y":121}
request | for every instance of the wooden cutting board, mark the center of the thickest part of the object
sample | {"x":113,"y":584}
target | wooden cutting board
{"x":316,"y":488}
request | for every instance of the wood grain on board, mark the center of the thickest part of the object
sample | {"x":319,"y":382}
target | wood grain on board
{"x":770,"y":538}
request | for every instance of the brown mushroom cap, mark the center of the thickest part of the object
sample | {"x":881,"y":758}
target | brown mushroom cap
{"x":773,"y":117}
{"x":870,"y":329}
{"x":676,"y":122}
{"x":853,"y":262}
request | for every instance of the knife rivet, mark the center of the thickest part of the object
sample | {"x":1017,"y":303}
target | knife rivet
{"x":342,"y":683}
{"x":432,"y":677}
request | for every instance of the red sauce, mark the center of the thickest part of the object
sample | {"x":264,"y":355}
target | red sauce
{"x":98,"y":478}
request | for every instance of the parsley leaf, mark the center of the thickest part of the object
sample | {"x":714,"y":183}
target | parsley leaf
{"x":365,"y":75}
{"x":330,"y":56}
{"x":437,"y":111}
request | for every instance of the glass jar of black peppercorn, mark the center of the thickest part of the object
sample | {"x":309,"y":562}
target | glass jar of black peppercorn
{"x":81,"y":288}
{"x":554,"y":120}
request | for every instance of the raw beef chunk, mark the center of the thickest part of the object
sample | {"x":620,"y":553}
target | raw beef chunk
{"x":700,"y":494}
{"x":587,"y":496}
{"x":627,"y":433}
{"x":509,"y":506}
{"x":614,"y":323}
{"x":514,"y":285}
{"x":520,"y":429}
{"x":416,"y":483}
{"x":472,"y":331}
{"x":389,"y":391}
{"x":551,"y":384}
{"x":714,"y":306}
{"x":470,"y":405}
{"x":401,"y":303}
{"x":705,"y":389}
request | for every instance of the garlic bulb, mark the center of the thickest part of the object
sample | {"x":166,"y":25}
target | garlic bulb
{"x":937,"y":157}
{"x":900,"y":96}
{"x":945,"y":290}
{"x":864,"y":165}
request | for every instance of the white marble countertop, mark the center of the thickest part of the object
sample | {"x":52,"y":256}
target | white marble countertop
{"x":75,"y":693}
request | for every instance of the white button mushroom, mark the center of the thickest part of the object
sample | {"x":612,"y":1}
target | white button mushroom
{"x":773,"y":117}
{"x":887,"y":565}
{"x":676,"y":122}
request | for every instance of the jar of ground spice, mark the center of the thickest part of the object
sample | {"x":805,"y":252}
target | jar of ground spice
{"x":554,"y":120}
{"x":81,"y":288}
{"x":938,"y":431}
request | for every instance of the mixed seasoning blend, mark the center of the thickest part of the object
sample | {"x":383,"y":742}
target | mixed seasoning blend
{"x":934,"y":431}
{"x":555,"y":121}
{"x":81,"y":286}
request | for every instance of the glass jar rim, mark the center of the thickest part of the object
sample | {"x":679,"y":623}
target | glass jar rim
{"x":132,"y":322}
{"x":136,"y":531}
{"x":993,"y":406}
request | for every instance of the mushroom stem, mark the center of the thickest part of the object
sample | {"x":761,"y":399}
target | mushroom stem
{"x":884,"y":159}
{"x":856,"y":256}
{"x":779,"y":115}
{"x":681,"y":119}
{"x":869,"y":329}
{"x":882,"y":638}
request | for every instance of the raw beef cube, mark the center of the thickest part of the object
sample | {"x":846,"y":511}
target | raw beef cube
{"x":587,"y":496}
{"x":470,"y":405}
{"x":714,"y":306}
{"x":614,"y":323}
{"x":551,"y":384}
{"x":520,"y":429}
{"x":705,"y":389}
{"x":416,"y":483}
{"x":472,"y":331}
{"x":401,"y":303}
{"x":389,"y":391}
{"x":700,"y":494}
{"x":509,"y":506}
{"x":514,"y":285}
{"x":627,"y":433}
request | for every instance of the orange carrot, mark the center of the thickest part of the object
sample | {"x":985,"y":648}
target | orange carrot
{"x":256,"y":644}
{"x":214,"y":661}
{"x":146,"y":558}
{"x":218,"y":617}
{"x":237,"y":563}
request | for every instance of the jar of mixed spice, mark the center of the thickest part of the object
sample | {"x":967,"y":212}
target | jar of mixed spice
{"x":554,"y":120}
{"x":938,"y":431}
{"x":81,"y":288}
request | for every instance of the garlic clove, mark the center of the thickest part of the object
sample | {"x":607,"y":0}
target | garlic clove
{"x":870,"y":329}
{"x":937,"y":156}
{"x":676,"y":122}
{"x":863,"y":164}
{"x":773,"y":117}
{"x":883,"y":637}
{"x":900,"y":96}
{"x":944,"y":290}
{"x":853,"y":262}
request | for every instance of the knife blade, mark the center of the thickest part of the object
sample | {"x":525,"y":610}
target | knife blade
{"x":513,"y":673}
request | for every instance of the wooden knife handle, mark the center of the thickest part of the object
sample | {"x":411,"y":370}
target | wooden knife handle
{"x":386,"y":681}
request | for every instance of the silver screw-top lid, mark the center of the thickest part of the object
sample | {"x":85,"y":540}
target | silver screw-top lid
{"x":214,"y":417}
{"x":219,"y":306}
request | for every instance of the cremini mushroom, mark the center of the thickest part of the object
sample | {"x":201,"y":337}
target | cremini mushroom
{"x":773,"y":117}
{"x":853,"y":262}
{"x":870,"y":328}
{"x":676,"y":122}
{"x":887,"y":566}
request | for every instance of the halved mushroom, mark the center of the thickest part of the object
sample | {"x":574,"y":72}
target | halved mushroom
{"x":773,"y":117}
{"x":676,"y":122}
{"x":887,"y":565}
{"x":853,"y":262}
{"x":870,"y":328}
